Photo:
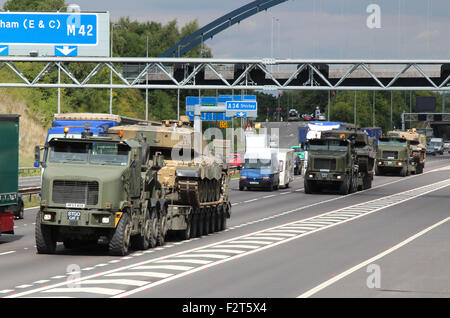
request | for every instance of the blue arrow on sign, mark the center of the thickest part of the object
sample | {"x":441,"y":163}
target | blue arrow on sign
{"x":66,"y":50}
{"x":4,"y":50}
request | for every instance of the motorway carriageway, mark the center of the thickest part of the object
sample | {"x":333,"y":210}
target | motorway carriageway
{"x":278,"y":244}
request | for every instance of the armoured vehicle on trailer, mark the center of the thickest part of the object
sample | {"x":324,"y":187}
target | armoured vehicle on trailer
{"x":401,"y":152}
{"x":195,"y":180}
{"x":343,"y":159}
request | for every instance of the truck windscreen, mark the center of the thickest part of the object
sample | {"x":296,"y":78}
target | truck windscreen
{"x":97,"y":153}
{"x":334,"y":145}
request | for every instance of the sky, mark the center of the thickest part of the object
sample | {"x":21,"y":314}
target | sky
{"x":300,"y":29}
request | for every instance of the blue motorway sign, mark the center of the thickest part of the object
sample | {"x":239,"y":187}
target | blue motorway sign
{"x":245,"y":108}
{"x":40,"y":28}
{"x":4,"y":50}
{"x":220,"y":100}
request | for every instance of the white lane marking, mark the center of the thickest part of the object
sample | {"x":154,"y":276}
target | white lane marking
{"x":131,"y":282}
{"x":239,"y":245}
{"x":269,"y":238}
{"x":92,"y":290}
{"x":6,"y":253}
{"x":170,"y":267}
{"x":331,"y":281}
{"x":288,"y":231}
{"x":243,"y":240}
{"x":87,"y":268}
{"x":5,"y":291}
{"x":275,"y":233}
{"x":145,"y":274}
{"x":247,"y":201}
{"x":58,"y":276}
{"x":41,"y":281}
{"x":269,"y":196}
{"x":221,"y":251}
{"x":204,"y":255}
{"x":101,"y":265}
{"x":193,"y":261}
{"x":114,"y":261}
{"x":24,"y":286}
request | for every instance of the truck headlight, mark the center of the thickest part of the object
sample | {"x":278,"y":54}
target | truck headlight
{"x":47,"y":217}
{"x":105,"y":220}
{"x":310,"y":175}
{"x":338,"y":177}
{"x":399,"y":163}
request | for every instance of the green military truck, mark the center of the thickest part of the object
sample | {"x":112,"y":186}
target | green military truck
{"x":119,"y":190}
{"x":99,"y":189}
{"x":401,"y":153}
{"x":9,"y":171}
{"x":340,"y":159}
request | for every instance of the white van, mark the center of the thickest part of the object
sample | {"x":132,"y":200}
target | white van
{"x":286,"y":166}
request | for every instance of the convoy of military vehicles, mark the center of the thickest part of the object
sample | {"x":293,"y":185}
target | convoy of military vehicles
{"x":126,"y":184}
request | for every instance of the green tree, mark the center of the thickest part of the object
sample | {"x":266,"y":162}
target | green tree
{"x":34,"y":5}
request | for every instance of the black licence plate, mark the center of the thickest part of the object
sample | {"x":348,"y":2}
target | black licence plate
{"x":73,"y":215}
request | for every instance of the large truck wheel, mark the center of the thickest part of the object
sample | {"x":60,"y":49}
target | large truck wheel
{"x":186,"y":234}
{"x":194,"y":223}
{"x":308,"y":187}
{"x":367,"y":182}
{"x":120,"y":241}
{"x":404,"y":172}
{"x":162,"y":228}
{"x":344,"y":187}
{"x":419,"y":169}
{"x":378,"y":171}
{"x":200,"y":223}
{"x":45,"y":237}
{"x":142,"y":241}
{"x":207,"y":222}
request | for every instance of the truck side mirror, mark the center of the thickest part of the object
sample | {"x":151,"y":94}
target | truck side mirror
{"x":37,"y":156}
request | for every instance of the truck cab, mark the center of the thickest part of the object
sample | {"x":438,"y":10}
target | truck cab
{"x":394,"y":155}
{"x":88,"y":186}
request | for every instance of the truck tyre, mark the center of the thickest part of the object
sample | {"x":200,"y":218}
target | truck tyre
{"x":404,"y":172}
{"x":367,"y":182}
{"x":207,"y":222}
{"x":378,"y":171}
{"x":344,"y":186}
{"x":120,"y":241}
{"x":308,"y":187}
{"x":200,"y":223}
{"x":213,"y":220}
{"x":45,"y":237}
{"x":162,"y":228}
{"x":224,"y":214}
{"x":142,"y":241}
{"x":186,"y":234}
{"x":419,"y":169}
{"x":219,"y":218}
